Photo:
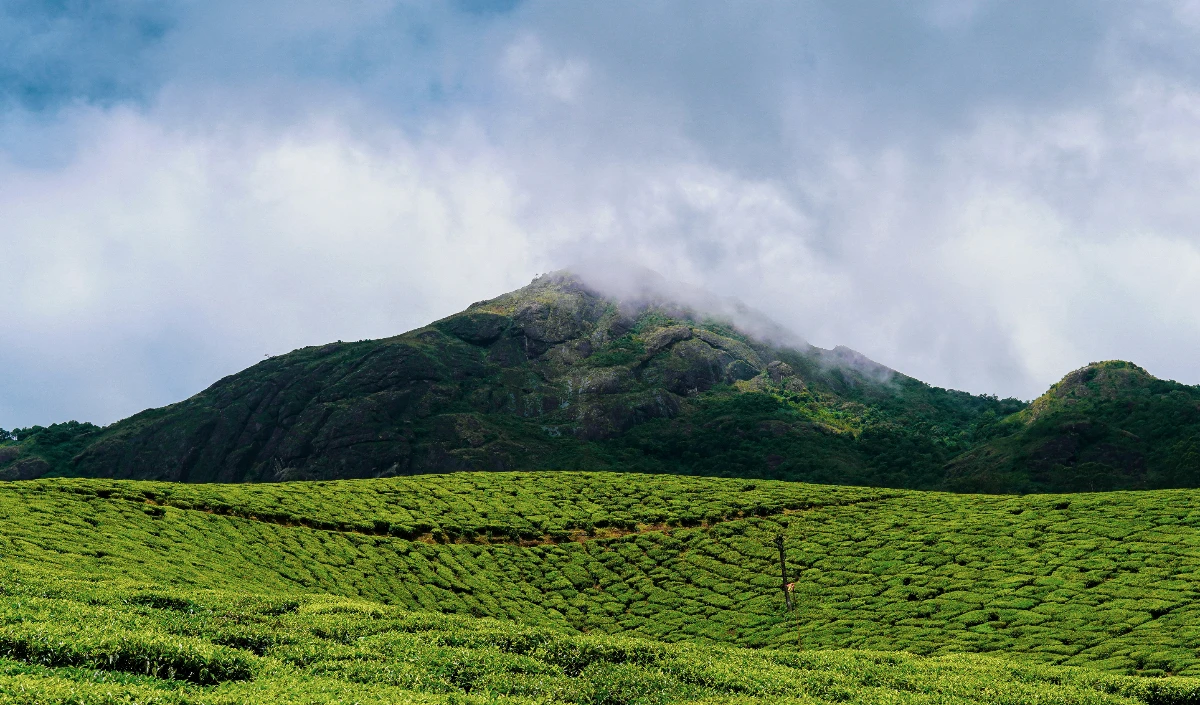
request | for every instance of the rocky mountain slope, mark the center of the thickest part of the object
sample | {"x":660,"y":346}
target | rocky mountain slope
{"x":557,"y":375}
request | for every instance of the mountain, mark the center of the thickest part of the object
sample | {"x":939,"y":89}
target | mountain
{"x":566,"y":374}
{"x":1110,"y":425}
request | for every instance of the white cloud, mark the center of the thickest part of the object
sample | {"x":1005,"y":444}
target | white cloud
{"x":244,"y":243}
{"x":528,"y":65}
{"x":948,"y":203}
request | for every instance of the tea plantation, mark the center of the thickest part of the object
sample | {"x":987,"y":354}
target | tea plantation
{"x":64,"y":641}
{"x":592,"y":588}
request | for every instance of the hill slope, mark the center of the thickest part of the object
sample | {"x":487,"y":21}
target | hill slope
{"x":554,"y":375}
{"x":1110,"y":425}
{"x":1106,"y":581}
{"x":559,"y":376}
{"x":77,"y":643}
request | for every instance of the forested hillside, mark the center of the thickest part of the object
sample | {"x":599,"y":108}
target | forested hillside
{"x":558,"y":376}
{"x":1109,"y":425}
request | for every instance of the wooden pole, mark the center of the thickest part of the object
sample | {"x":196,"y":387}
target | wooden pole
{"x":787,"y":595}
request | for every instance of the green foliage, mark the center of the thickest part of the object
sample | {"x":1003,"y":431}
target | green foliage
{"x":341,"y":650}
{"x":797,"y":435}
{"x":1098,"y":580}
{"x":55,"y":435}
{"x":625,"y":350}
{"x":55,"y":444}
{"x":552,"y":376}
{"x":652,"y":319}
{"x":1106,"y":426}
{"x":74,"y":636}
{"x":512,"y":507}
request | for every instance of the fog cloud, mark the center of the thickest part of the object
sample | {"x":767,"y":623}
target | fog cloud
{"x":983,"y":195}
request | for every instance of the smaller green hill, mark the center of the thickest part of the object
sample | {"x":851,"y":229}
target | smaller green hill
{"x":1110,"y":425}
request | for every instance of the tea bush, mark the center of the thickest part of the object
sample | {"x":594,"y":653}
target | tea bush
{"x":340,"y":650}
{"x":237,"y":584}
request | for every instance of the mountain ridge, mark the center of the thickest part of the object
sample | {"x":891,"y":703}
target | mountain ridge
{"x":560,"y":375}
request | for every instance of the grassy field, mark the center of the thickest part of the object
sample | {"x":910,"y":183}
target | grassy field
{"x":251,"y":584}
{"x":64,"y":641}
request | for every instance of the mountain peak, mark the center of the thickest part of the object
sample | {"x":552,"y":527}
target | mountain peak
{"x":552,"y":375}
{"x":1106,"y":380}
{"x":627,"y":370}
{"x":634,"y":289}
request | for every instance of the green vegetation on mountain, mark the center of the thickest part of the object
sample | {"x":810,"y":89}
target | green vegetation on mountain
{"x":557,"y":376}
{"x":1110,"y":425}
{"x":32,"y":452}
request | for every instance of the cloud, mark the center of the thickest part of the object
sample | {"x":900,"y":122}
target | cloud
{"x":984,"y":195}
{"x":52,"y":53}
{"x":160,"y":260}
{"x":527,"y":66}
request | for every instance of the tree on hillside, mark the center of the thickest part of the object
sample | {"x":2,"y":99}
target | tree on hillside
{"x":786,"y":584}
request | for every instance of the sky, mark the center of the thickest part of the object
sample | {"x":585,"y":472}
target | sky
{"x":982,"y":194}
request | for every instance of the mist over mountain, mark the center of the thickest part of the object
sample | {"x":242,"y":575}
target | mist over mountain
{"x":984,"y":195}
{"x":624,"y":370}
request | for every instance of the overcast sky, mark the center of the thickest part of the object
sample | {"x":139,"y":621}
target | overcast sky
{"x":984,"y":195}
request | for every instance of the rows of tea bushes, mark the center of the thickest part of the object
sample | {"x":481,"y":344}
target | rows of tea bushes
{"x":241,"y":649}
{"x":527,"y":506}
{"x":1108,"y":581}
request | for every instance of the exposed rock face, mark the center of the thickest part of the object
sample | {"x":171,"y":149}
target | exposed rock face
{"x":692,"y":366}
{"x":608,"y":380}
{"x":777,"y":371}
{"x":475,"y":328}
{"x":736,"y":348}
{"x":1100,"y":381}
{"x":24,"y":469}
{"x":664,"y":338}
{"x":557,"y":376}
{"x":739,"y":371}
